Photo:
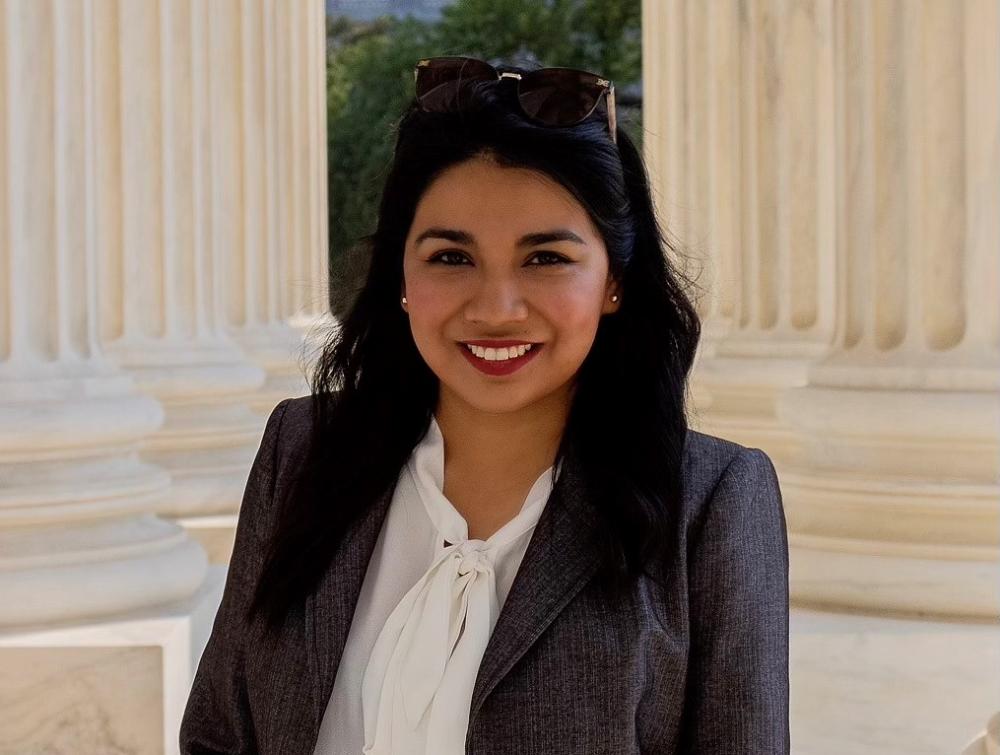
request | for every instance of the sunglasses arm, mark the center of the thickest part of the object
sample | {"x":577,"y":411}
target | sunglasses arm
{"x":612,"y":116}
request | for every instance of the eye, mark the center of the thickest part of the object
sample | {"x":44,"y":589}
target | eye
{"x":440,"y":255}
{"x":555,"y":259}
{"x":558,"y":259}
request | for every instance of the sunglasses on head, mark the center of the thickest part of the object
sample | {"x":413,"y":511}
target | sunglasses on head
{"x":550,"y":96}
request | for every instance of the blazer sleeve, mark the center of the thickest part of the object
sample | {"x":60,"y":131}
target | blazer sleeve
{"x":216,"y":718}
{"x":737,"y":699}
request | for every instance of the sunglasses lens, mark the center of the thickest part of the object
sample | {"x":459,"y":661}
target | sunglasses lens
{"x":559,"y":96}
{"x":439,"y":83}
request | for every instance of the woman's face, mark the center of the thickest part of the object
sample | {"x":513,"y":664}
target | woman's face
{"x":473,"y":272}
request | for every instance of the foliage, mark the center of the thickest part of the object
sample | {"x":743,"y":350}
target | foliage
{"x":595,"y":35}
{"x":370,"y":80}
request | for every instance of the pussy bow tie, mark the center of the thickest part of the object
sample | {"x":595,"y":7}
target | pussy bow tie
{"x":423,"y":666}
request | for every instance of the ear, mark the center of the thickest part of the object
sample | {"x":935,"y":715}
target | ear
{"x":611,"y":289}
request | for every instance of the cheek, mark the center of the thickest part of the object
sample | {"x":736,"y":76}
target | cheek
{"x":573,"y":312}
{"x":428,"y":302}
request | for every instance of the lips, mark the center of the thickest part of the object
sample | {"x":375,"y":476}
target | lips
{"x":500,"y":367}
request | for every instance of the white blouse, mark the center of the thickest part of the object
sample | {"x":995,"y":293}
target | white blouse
{"x":424,"y":616}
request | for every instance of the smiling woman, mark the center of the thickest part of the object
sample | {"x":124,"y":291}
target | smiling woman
{"x":489,"y":529}
{"x":498,"y":255}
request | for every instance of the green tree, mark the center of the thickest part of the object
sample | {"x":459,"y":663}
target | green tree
{"x":604,"y":36}
{"x":597,"y":35}
{"x":492,"y":28}
{"x":370,"y":80}
{"x":369,"y":83}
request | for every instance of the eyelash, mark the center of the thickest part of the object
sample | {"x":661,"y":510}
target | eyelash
{"x":559,"y":259}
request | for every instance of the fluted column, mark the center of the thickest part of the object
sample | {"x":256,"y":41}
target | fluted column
{"x":172,"y":204}
{"x":834,"y":170}
{"x":896,"y":495}
{"x":277,"y":290}
{"x":836,"y":165}
{"x":739,"y":142}
{"x":78,"y":536}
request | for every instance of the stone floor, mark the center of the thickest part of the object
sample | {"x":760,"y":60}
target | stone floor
{"x":865,"y":685}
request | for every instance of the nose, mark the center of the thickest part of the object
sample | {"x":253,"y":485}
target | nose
{"x":496,"y":301}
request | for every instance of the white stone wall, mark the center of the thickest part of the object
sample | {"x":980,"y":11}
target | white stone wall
{"x":834,"y":169}
{"x":163,"y":255}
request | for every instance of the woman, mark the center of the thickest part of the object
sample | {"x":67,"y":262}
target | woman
{"x":489,"y":529}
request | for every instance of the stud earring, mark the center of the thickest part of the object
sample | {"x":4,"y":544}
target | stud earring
{"x":614,"y":297}
{"x":404,"y":300}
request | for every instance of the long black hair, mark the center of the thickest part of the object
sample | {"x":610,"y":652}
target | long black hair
{"x":373,"y":394}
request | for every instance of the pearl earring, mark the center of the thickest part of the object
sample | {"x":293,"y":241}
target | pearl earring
{"x":614,"y":297}
{"x":404,"y":300}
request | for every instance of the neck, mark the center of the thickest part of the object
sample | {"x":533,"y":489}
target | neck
{"x":501,"y":446}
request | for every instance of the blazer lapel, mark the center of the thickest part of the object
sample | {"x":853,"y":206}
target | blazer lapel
{"x":557,"y":563}
{"x":330,"y":608}
{"x":559,"y":560}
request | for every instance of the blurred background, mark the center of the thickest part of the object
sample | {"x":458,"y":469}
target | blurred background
{"x":184,"y":187}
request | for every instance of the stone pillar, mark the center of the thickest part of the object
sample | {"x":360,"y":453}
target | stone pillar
{"x":162,"y":248}
{"x":92,"y":639}
{"x":896,"y":492}
{"x":172,"y":204}
{"x":835,"y":167}
{"x":78,"y":535}
{"x":277,"y":286}
{"x":850,"y":222}
{"x":738,"y":113}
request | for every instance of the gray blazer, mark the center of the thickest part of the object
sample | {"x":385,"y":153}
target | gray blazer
{"x":700,"y":666}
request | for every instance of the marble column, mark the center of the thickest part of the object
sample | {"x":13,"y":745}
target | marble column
{"x":90,"y":578}
{"x":739,"y":144}
{"x":171,"y":198}
{"x":277,"y":287}
{"x":831,"y":172}
{"x":839,"y":174}
{"x":78,"y":533}
{"x":162,"y":254}
{"x":896,"y":491}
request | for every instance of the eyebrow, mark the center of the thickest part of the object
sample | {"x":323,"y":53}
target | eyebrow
{"x":529,"y":239}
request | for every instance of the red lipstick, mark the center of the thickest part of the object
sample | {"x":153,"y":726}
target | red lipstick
{"x":502,"y":367}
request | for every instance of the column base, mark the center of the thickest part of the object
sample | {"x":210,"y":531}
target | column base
{"x":116,"y":685}
{"x":735,"y":397}
{"x":281,"y":351}
{"x":893,"y":504}
{"x":216,"y":534}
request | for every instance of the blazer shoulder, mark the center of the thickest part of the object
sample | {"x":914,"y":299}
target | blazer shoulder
{"x":298,"y":418}
{"x":705,"y":459}
{"x":713,"y":465}
{"x":296,"y":431}
{"x":299,"y":415}
{"x":292,"y":443}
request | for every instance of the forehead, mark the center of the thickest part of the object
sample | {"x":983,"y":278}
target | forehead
{"x":484,"y":198}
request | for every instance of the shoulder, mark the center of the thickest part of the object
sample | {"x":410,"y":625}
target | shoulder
{"x":707,"y":458}
{"x":283,"y":445}
{"x":296,"y":421}
{"x":288,"y":431}
{"x":727,"y":479}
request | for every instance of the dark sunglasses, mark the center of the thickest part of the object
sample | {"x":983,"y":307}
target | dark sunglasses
{"x":550,"y":96}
